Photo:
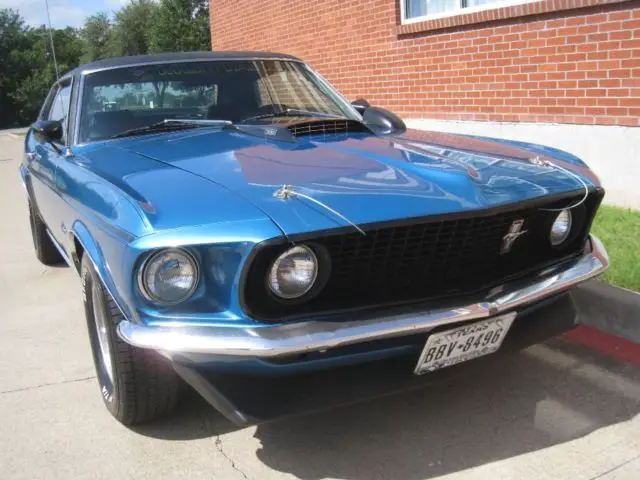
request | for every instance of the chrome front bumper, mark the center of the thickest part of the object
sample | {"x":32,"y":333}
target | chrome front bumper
{"x":310,"y":336}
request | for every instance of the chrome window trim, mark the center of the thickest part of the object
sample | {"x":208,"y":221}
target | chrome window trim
{"x":495,"y":4}
{"x":76,"y":123}
{"x":333,"y":90}
{"x":61,"y":82}
{"x":190,"y":60}
{"x":46,"y":105}
{"x":73,"y":102}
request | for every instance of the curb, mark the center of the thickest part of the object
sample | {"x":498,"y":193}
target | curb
{"x":15,"y":136}
{"x":606,"y":343}
{"x":613,"y":310}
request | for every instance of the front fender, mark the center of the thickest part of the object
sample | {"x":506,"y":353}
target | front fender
{"x":539,"y":149}
{"x":104,"y":268}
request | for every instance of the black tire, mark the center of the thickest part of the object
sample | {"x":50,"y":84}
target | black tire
{"x":46,"y":251}
{"x":143,"y":386}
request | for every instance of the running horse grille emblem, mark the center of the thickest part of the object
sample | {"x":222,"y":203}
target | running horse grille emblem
{"x":515,"y":231}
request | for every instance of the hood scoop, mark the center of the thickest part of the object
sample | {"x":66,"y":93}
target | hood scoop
{"x":288,"y":131}
{"x":327,"y":127}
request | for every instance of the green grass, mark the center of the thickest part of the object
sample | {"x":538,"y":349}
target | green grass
{"x":619,"y":230}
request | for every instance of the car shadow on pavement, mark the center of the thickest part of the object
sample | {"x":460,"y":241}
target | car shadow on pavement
{"x":546,"y":395}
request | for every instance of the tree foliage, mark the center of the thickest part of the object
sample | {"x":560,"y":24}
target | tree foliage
{"x":38,"y":69}
{"x":180,"y":25}
{"x":130,"y":34}
{"x":27,"y":65}
{"x":96,"y":34}
{"x":12,"y":39}
{"x":142,"y":26}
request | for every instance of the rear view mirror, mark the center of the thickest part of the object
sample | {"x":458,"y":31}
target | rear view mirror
{"x":360,"y":105}
{"x":47,"y":130}
{"x":382,"y":121}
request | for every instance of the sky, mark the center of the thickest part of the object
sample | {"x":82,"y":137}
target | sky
{"x":63,"y":12}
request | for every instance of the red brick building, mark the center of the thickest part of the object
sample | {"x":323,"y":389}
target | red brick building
{"x":542,"y":61}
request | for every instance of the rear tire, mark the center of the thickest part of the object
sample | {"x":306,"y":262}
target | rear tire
{"x":45,"y":250}
{"x":137,"y":385}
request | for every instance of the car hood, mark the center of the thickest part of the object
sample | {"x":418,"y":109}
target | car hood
{"x":362,"y":178}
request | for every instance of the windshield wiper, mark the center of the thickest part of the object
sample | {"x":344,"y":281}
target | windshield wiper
{"x":310,"y":113}
{"x":170,"y":124}
{"x":291,"y":112}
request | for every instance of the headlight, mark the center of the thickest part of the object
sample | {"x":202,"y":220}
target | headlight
{"x":561,"y":228}
{"x":293,"y":273}
{"x":169,"y":276}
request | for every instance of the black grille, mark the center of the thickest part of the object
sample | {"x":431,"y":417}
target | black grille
{"x":422,"y":260}
{"x":324,"y":127}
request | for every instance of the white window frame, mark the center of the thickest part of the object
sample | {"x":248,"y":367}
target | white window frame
{"x":462,"y":11}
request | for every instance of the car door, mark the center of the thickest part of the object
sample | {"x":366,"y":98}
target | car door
{"x":45,"y":157}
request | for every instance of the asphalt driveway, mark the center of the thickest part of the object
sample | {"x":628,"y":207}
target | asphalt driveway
{"x":555,"y":411}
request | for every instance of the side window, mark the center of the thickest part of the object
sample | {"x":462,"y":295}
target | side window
{"x":60,"y":107}
{"x":46,"y":107}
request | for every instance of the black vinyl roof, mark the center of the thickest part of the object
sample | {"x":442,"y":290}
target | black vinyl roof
{"x":117,"y":62}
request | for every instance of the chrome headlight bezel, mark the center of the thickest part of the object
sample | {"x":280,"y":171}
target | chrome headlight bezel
{"x":149,"y":295}
{"x":563,"y":237}
{"x":275,"y":265}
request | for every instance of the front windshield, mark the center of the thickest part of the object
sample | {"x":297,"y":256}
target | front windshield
{"x":127,"y":98}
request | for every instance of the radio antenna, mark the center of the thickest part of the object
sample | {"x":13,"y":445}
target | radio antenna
{"x":62,"y":120}
{"x":53,"y":47}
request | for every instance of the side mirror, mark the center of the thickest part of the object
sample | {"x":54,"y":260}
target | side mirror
{"x":360,"y":105}
{"x":47,"y":130}
{"x":382,"y":121}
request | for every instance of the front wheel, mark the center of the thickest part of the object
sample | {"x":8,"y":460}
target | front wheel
{"x":137,"y":385}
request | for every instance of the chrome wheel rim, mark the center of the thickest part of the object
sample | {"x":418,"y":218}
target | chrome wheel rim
{"x":100,"y":319}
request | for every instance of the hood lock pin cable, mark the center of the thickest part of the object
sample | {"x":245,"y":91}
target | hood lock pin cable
{"x":286,"y":192}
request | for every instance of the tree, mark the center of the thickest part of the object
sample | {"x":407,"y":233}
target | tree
{"x":12,"y":38}
{"x":130,"y":29}
{"x":142,"y":26}
{"x":96,"y":33}
{"x":35,"y":62}
{"x":27,"y":70}
{"x":69,"y":47}
{"x":180,"y":25}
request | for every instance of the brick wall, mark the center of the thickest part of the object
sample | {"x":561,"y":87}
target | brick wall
{"x":568,"y":61}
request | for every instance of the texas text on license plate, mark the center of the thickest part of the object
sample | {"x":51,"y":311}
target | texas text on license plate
{"x":449,"y":347}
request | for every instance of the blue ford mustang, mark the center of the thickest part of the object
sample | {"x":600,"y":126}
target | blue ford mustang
{"x":239,"y":226}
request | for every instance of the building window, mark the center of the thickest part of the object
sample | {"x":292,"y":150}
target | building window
{"x":418,"y":10}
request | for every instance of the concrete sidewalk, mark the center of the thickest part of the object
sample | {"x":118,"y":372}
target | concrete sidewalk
{"x":555,"y":411}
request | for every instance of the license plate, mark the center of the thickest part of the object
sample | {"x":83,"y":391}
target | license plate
{"x":457,"y":345}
